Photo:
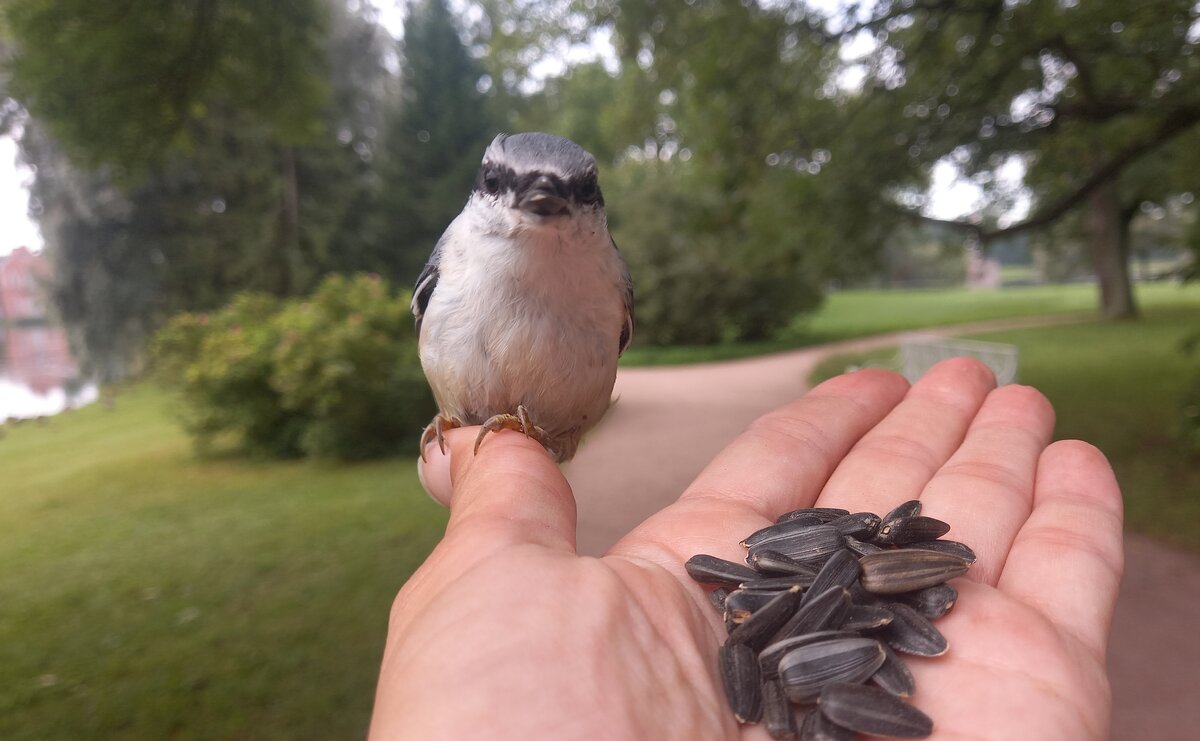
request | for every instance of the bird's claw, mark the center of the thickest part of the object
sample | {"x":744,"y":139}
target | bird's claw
{"x":519,"y":422}
{"x":435,"y":430}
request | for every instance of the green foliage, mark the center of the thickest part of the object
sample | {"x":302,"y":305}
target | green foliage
{"x":332,"y":375}
{"x":433,"y":141}
{"x":119,"y":82}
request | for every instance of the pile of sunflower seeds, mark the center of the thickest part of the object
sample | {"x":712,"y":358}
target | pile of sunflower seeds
{"x":829,"y":601}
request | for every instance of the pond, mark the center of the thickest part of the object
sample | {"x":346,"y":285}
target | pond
{"x":38,"y":376}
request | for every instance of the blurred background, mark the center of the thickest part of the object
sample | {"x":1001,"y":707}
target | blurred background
{"x":212,"y":212}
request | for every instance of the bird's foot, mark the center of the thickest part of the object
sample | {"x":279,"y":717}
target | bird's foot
{"x":519,"y":422}
{"x":435,"y":430}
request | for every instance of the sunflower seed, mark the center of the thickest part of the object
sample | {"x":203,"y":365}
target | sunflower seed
{"x":717,"y":598}
{"x":910,"y":633}
{"x":768,"y":660}
{"x":778,"y":716}
{"x":807,"y":669}
{"x":777,"y":531}
{"x":861,"y":548}
{"x":777,"y":583}
{"x":898,"y":571}
{"x":775,"y":563}
{"x":952,"y":547}
{"x":911,"y":508}
{"x":817,"y":727}
{"x":712,"y":570}
{"x":826,"y":611}
{"x":756,"y":630}
{"x":818,"y":514}
{"x":931,"y":602}
{"x":742,"y":603}
{"x":742,"y":681}
{"x":860,"y":525}
{"x":866,"y":617}
{"x":902,"y":530}
{"x":807,"y":544}
{"x":839,"y":571}
{"x":873,"y":711}
{"x":894,"y":676}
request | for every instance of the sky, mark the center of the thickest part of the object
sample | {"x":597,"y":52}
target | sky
{"x":951,"y":197}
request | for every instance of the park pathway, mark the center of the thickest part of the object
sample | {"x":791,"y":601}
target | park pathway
{"x":628,"y":469}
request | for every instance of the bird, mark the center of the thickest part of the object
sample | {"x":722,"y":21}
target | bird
{"x":526,"y":304}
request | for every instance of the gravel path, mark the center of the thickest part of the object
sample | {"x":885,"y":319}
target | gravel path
{"x":626,"y":470}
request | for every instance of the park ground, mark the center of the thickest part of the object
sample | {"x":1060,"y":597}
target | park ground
{"x":152,"y":593}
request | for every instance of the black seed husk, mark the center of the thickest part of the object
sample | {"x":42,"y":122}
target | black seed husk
{"x":778,"y":716}
{"x":804,"y":671}
{"x":866,"y":617}
{"x":817,"y":514}
{"x":861,"y":525}
{"x":768,"y":660}
{"x":911,"y":508}
{"x":717,"y":598}
{"x":777,"y":583}
{"x":826,"y":611}
{"x":774,"y":563}
{"x":742,"y":603}
{"x":873,"y":711}
{"x":756,"y":631}
{"x":894,"y":675}
{"x":902,"y":530}
{"x":911,"y":633}
{"x":712,"y":570}
{"x":742,"y":681}
{"x":931,"y":602}
{"x":811,"y":543}
{"x":841,"y":570}
{"x":861,"y":548}
{"x":817,"y":727}
{"x":904,"y":570}
{"x":953,"y":547}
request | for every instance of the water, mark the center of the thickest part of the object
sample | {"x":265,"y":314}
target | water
{"x":38,"y":376}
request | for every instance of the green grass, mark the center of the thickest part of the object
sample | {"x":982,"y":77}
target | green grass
{"x":847,"y":314}
{"x":150,"y":594}
{"x":1119,"y":386}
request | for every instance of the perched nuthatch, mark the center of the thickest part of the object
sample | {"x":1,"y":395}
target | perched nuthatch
{"x":525,"y":304}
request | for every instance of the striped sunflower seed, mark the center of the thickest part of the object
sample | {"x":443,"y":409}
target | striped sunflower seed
{"x":742,"y":603}
{"x":768,"y":660}
{"x":775,"y":563}
{"x":817,"y":727}
{"x":861,"y":525}
{"x":717,"y":598}
{"x":931,"y":602}
{"x":806,"y":670}
{"x":712,"y":570}
{"x":866,"y":617}
{"x":904,"y":570}
{"x":817,"y":514}
{"x":953,"y":547}
{"x":841,"y":570}
{"x":777,"y":583}
{"x":807,"y":544}
{"x":911,"y":633}
{"x":894,"y":675}
{"x":742,"y":681}
{"x":862,"y":548}
{"x":778,"y":716}
{"x":902,"y":530}
{"x":826,"y":611}
{"x":873,"y":711}
{"x":756,"y":631}
{"x":911,"y":508}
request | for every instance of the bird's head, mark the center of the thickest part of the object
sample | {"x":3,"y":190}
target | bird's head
{"x":538,"y":180}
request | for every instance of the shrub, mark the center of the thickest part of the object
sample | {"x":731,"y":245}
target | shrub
{"x":332,"y":375}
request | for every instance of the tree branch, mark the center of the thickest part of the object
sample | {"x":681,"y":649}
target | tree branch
{"x":1173,"y":125}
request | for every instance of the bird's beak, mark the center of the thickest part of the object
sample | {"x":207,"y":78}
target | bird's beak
{"x":542,"y":198}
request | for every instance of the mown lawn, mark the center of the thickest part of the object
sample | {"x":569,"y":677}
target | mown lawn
{"x":847,"y":314}
{"x":146,"y":594}
{"x":1118,"y":386}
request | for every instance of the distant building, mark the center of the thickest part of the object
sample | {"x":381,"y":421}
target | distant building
{"x":23,"y":275}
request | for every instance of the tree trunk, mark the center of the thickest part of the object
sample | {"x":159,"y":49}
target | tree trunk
{"x":1108,"y":236}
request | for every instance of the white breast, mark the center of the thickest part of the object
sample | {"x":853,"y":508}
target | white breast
{"x":535,"y":320}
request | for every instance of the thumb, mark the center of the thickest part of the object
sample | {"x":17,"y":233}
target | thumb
{"x":509,"y":493}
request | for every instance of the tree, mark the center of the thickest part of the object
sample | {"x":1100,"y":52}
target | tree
{"x":1086,"y":94}
{"x":434,"y":140}
{"x":232,"y":202}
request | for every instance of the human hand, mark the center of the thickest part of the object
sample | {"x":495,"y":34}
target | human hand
{"x":505,"y":633}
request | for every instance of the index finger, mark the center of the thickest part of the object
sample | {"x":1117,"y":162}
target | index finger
{"x":779,"y":463}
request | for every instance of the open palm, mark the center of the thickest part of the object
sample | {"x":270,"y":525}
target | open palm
{"x":505,"y":633}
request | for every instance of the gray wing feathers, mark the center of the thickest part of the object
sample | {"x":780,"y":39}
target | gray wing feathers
{"x":426,"y":282}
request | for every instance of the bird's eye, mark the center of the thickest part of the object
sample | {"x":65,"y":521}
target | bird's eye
{"x":491,"y":181}
{"x":588,"y":189}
